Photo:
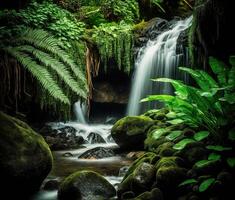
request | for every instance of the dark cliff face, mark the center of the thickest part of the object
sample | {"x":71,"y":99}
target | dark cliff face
{"x":212,"y":32}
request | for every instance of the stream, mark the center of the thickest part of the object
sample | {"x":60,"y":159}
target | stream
{"x":67,"y":161}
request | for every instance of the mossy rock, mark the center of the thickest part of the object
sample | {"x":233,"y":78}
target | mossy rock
{"x":25,"y":157}
{"x":172,"y":161}
{"x":165,"y":149}
{"x":154,"y":194}
{"x":152,"y":144}
{"x":139,"y":181}
{"x":130,"y":132}
{"x":169,"y":177}
{"x":83,"y":185}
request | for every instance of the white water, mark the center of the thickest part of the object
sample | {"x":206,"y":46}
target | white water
{"x":80,"y":112}
{"x":157,"y":59}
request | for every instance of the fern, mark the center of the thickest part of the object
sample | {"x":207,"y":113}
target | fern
{"x":52,"y":67}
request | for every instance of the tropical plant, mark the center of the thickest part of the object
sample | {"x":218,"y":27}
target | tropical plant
{"x":211,"y":105}
{"x":43,"y":56}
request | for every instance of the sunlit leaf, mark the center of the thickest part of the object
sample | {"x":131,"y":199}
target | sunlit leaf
{"x":180,"y":145}
{"x":201,"y":163}
{"x":201,"y":135}
{"x":176,"y":121}
{"x":173,"y":135}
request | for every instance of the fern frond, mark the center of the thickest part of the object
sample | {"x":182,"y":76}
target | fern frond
{"x":44,"y":41}
{"x":56,"y":65}
{"x":40,"y":73}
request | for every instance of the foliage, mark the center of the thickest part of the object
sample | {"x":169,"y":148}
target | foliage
{"x":50,"y":17}
{"x":51,"y":66}
{"x":115,"y":42}
{"x":158,"y":3}
{"x":127,"y":10}
{"x":209,"y":106}
{"x":206,"y":184}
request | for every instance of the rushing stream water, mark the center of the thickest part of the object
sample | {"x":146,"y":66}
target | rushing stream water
{"x":63,"y":165}
{"x":159,"y":58}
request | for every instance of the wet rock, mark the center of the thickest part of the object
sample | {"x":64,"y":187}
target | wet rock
{"x":84,"y":185}
{"x":68,"y":154}
{"x":128,"y":195}
{"x":94,"y":138}
{"x":51,"y":185}
{"x":130,"y":132}
{"x":140,"y":180}
{"x":25,"y":158}
{"x":172,"y":161}
{"x":97,"y":153}
{"x":123,"y":171}
{"x":62,"y":138}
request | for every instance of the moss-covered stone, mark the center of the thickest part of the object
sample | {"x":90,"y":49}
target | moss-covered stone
{"x":154,"y":194}
{"x":172,"y":161}
{"x":130,"y":132}
{"x":139,"y":181}
{"x":25,"y":158}
{"x":84,"y":185}
{"x":165,"y":149}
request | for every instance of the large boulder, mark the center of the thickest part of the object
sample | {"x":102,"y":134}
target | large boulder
{"x":130,"y":132}
{"x":84,"y":185}
{"x":25,"y":158}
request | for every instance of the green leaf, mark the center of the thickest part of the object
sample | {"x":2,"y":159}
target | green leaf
{"x":173,"y":135}
{"x":176,"y":121}
{"x":156,"y":134}
{"x":201,"y":135}
{"x":188,"y":182}
{"x":218,"y":148}
{"x":231,"y":162}
{"x":167,"y":98}
{"x":214,"y":157}
{"x":171,"y":115}
{"x":231,"y":134}
{"x":206,"y":184}
{"x":201,"y":163}
{"x":180,"y":145}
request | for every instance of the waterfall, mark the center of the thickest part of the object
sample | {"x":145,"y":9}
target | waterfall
{"x":158,"y":58}
{"x":80,"y":110}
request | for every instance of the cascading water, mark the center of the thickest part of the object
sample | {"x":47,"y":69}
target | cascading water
{"x":159,"y":58}
{"x":80,"y":110}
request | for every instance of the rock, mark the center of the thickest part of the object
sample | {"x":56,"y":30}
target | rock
{"x":62,"y":138}
{"x":130,"y":132}
{"x":154,"y":194}
{"x":169,"y":177}
{"x":25,"y":158}
{"x":84,"y":185}
{"x":138,"y":181}
{"x":68,"y":154}
{"x":123,"y":171}
{"x":193,"y":152}
{"x":97,"y":153}
{"x":165,"y":149}
{"x":94,"y":138}
{"x":135,"y":154}
{"x":172,"y":161}
{"x":128,"y":195}
{"x":51,"y":185}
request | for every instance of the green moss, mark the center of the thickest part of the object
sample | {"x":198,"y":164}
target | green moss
{"x":172,"y":161}
{"x":85,"y":184}
{"x":25,"y":157}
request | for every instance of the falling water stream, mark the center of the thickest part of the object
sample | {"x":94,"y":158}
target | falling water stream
{"x":158,"y":58}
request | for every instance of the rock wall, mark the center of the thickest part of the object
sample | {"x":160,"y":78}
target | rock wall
{"x":212,"y":32}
